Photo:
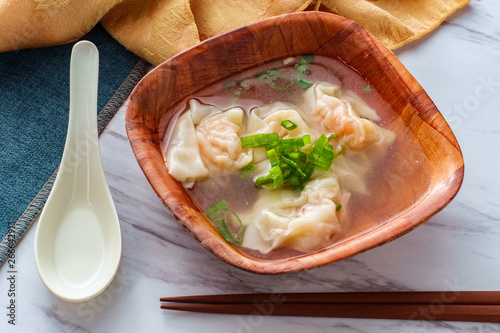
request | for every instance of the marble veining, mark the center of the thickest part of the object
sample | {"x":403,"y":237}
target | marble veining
{"x":457,"y":249}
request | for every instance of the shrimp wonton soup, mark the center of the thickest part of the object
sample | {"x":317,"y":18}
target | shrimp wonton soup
{"x":285,"y":159}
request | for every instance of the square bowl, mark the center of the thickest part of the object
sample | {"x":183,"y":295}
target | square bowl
{"x":422,"y":189}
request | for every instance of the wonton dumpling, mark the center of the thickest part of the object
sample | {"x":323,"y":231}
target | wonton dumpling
{"x":360,"y":106}
{"x":201,"y":111}
{"x":336,"y":115}
{"x":268,"y":119}
{"x":219,"y":140}
{"x":340,"y":113}
{"x":183,"y":157}
{"x":353,"y":166}
{"x":304,"y":222}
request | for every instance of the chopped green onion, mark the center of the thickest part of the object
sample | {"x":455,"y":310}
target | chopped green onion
{"x":240,"y":226}
{"x":295,"y":168}
{"x":302,"y":67}
{"x":308,"y":57}
{"x":273,"y":157}
{"x":341,"y":150}
{"x":218,"y":214}
{"x":274,"y":85}
{"x":307,"y":139}
{"x":222,"y":226}
{"x":298,"y":157}
{"x":337,"y":208}
{"x":247,"y":170}
{"x":304,"y":84}
{"x":287,"y":145}
{"x":294,"y":155}
{"x":289,"y":125}
{"x":216,"y":209}
{"x":259,"y":140}
{"x":286,"y":170}
{"x":273,"y":76}
{"x":274,"y":176}
{"x":275,"y":79}
{"x":317,"y":148}
{"x":266,"y":75}
{"x":293,"y":180}
{"x":301,"y":160}
{"x":332,"y":137}
{"x":326,"y":157}
{"x":236,"y":88}
{"x":366,"y":89}
{"x":308,"y":170}
{"x":264,"y":180}
{"x":289,"y":164}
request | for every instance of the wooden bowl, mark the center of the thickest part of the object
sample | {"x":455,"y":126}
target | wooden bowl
{"x":412,"y":116}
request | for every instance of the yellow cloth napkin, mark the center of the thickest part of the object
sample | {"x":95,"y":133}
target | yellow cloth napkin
{"x":158,"y":29}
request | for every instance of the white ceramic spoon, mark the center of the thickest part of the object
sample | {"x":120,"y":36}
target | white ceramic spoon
{"x":78,"y":239}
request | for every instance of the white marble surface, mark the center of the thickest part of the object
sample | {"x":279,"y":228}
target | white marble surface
{"x":459,"y":249}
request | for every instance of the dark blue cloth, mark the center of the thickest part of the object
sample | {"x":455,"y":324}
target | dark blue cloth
{"x":34,"y":106}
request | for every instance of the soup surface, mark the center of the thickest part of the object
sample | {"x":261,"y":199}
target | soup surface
{"x":274,"y":202}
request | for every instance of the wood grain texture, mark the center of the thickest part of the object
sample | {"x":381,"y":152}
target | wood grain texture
{"x":277,"y":38}
{"x":391,"y":297}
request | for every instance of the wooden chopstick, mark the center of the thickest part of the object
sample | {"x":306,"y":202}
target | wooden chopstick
{"x":477,"y":306}
{"x":400,"y":297}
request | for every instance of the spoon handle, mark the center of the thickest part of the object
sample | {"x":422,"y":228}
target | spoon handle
{"x":81,"y":151}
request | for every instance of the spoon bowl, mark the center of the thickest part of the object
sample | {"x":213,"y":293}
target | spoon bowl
{"x":78,"y":238}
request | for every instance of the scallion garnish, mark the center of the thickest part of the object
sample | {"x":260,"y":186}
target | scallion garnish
{"x":247,"y":170}
{"x":293,"y":144}
{"x":264,"y":180}
{"x":219,"y":213}
{"x":236,"y":88}
{"x":303,"y":83}
{"x":294,"y":167}
{"x":337,"y":208}
{"x":260,"y":140}
{"x":273,"y":157}
{"x":366,"y":89}
{"x":302,"y":67}
{"x":303,"y":70}
{"x":275,"y":79}
{"x":298,"y":157}
{"x":275,"y":177}
{"x":341,"y":151}
{"x":308,"y":170}
{"x":308,"y":57}
{"x":269,"y":74}
{"x":216,"y":209}
{"x":289,"y":164}
{"x":289,"y":125}
{"x":317,"y":148}
{"x":325,"y":158}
